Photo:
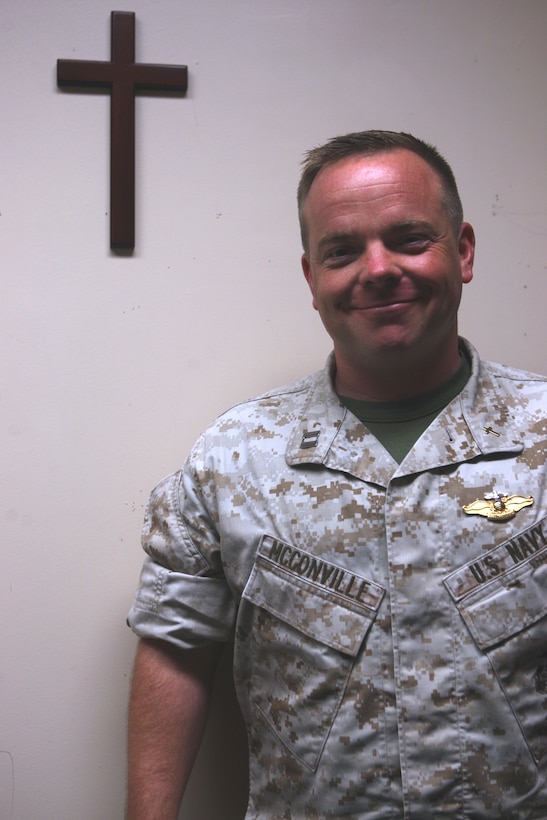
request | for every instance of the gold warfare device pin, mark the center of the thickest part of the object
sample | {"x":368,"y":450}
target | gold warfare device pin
{"x":497,"y":506}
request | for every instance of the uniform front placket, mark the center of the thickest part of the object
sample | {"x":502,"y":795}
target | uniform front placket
{"x":424,"y":638}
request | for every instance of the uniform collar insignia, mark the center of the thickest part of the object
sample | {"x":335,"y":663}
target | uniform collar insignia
{"x":497,"y":506}
{"x":310,"y":439}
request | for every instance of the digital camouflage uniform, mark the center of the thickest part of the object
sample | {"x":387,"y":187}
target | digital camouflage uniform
{"x":390,"y":648}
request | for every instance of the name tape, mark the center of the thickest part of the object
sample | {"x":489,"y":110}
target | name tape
{"x":326,"y":575}
{"x":529,"y":546}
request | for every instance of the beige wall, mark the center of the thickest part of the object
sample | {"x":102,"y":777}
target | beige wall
{"x":112,"y":365}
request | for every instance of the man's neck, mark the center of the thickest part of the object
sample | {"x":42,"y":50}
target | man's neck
{"x":395,"y":383}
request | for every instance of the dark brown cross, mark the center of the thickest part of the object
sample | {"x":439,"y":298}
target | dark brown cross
{"x":123,"y":77}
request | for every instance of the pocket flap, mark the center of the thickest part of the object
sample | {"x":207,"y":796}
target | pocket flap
{"x":324,"y":601}
{"x":505,"y":590}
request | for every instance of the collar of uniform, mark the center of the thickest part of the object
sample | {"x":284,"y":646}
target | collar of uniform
{"x":488,"y":408}
{"x":477,"y":422}
{"x":329,"y":434}
{"x":321,"y":418}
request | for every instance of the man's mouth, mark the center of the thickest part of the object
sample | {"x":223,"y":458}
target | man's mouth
{"x":384,"y":304}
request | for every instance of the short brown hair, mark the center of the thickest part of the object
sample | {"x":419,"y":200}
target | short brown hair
{"x":368,"y":143}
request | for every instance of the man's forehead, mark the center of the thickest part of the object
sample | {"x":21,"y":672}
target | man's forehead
{"x":397,"y":165}
{"x":383,"y":192}
{"x":392,"y":179}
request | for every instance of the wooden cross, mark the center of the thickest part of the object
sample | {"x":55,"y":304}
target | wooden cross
{"x":122,"y":76}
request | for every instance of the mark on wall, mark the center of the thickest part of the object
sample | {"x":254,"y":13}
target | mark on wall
{"x":533,"y":222}
{"x":7,"y":781}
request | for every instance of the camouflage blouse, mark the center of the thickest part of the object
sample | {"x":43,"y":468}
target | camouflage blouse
{"x":389,"y":620}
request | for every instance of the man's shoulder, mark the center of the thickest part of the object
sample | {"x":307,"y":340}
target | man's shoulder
{"x":286,"y":392}
{"x":277,"y":406}
{"x":496,"y":371}
{"x":510,"y":375}
{"x":522,"y":392}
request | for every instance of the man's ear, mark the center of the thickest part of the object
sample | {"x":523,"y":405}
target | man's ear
{"x":306,"y":267}
{"x":466,"y":251}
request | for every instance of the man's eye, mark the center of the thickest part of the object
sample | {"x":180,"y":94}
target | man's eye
{"x":414,"y":243}
{"x":339,"y":256}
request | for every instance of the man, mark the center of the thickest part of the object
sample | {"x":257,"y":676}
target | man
{"x":373,"y":538}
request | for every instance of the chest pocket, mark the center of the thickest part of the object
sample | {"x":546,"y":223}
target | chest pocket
{"x":502,"y":597}
{"x":308,"y":621}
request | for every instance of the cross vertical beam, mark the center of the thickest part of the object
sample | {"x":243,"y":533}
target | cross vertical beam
{"x":122,"y":134}
{"x":122,"y":77}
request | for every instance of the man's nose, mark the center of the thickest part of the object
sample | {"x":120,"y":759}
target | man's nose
{"x":379,"y":264}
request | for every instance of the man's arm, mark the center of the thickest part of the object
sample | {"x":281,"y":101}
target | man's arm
{"x":168,"y":708}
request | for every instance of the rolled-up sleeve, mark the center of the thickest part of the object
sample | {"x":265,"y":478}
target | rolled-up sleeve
{"x":182,"y":595}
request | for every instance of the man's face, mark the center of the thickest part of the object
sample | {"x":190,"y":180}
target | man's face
{"x":383,"y":264}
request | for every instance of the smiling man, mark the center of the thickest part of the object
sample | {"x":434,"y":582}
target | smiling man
{"x":385,"y":266}
{"x":372,"y":539}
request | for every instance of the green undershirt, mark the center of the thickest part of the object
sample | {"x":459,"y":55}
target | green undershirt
{"x":399,"y":424}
